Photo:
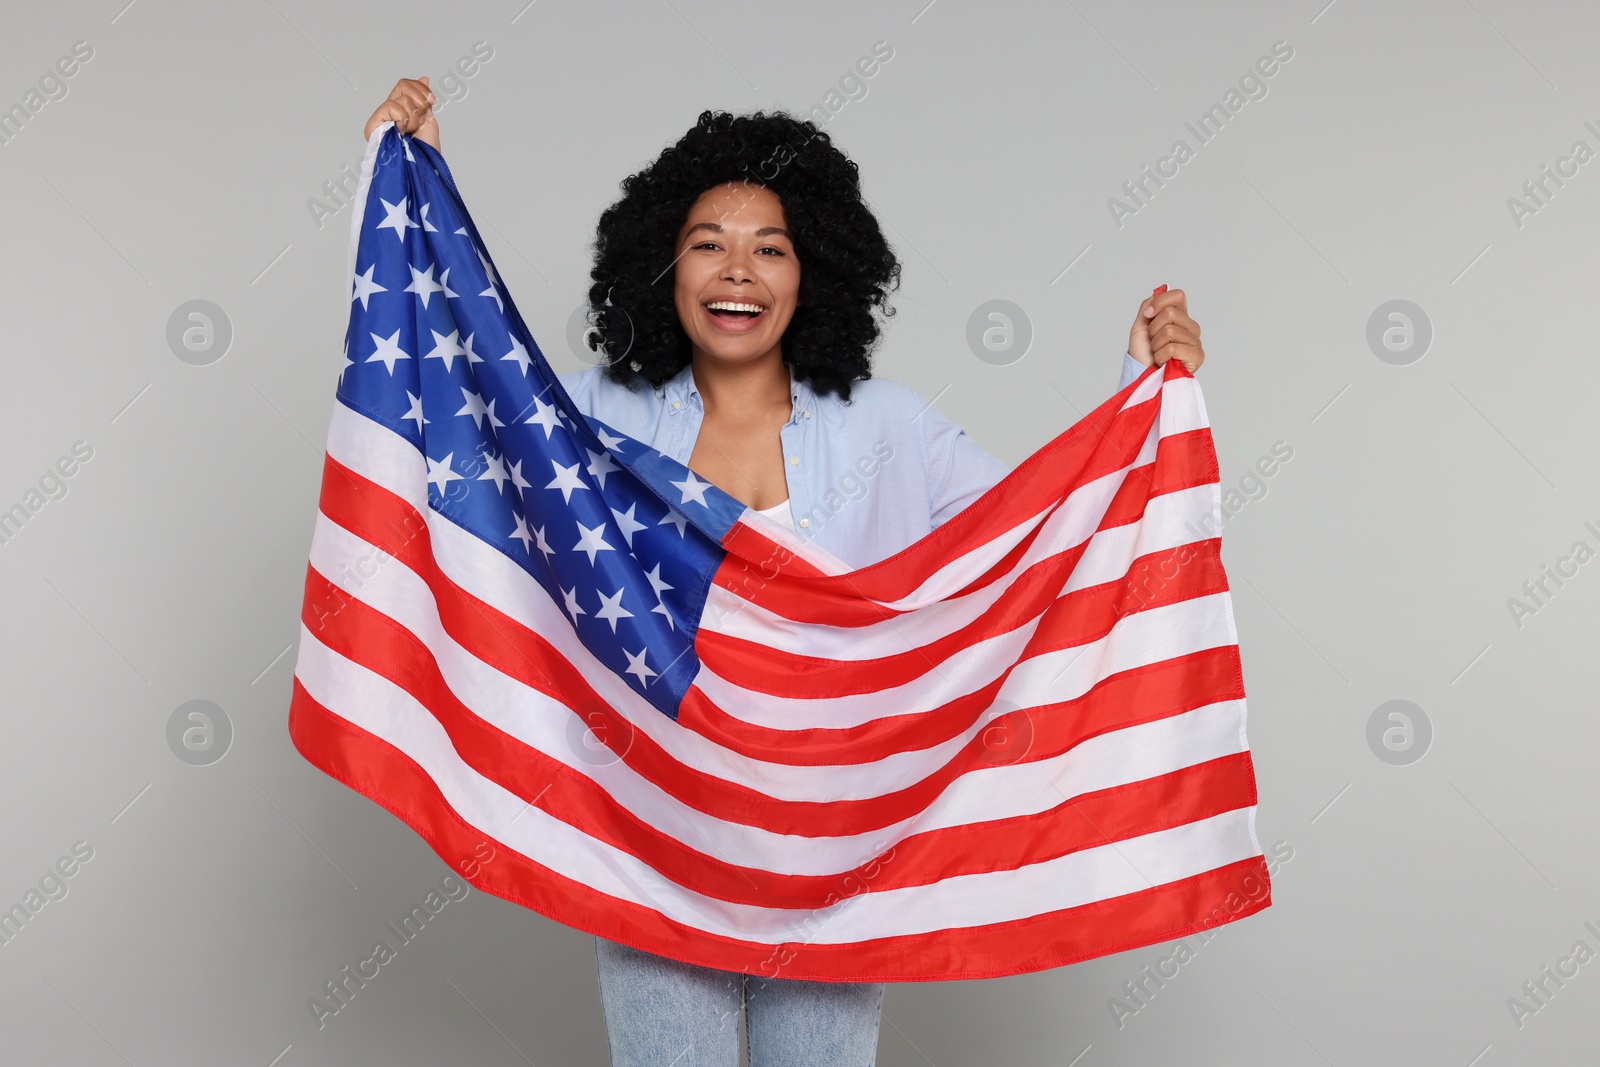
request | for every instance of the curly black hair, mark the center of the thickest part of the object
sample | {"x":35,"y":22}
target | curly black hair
{"x":846,"y":266}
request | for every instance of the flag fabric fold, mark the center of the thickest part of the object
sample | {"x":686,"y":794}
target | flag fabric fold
{"x":604,"y":689}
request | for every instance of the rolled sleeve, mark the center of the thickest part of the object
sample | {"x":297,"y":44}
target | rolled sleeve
{"x":1131,"y":369}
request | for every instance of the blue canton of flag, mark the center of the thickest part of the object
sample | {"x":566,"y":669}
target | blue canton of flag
{"x":437,"y":352}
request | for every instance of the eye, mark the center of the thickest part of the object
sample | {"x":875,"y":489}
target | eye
{"x":769,"y":248}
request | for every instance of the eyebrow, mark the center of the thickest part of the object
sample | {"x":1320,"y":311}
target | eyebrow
{"x":716,"y":227}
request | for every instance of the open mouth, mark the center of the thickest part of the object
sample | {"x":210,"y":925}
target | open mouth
{"x":735,"y":316}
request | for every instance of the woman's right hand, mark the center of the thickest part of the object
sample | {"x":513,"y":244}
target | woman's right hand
{"x":410,"y":108}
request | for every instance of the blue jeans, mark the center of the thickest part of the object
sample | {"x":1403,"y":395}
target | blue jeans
{"x":663,"y":1013}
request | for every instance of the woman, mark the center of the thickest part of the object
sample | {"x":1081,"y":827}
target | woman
{"x":733,"y":294}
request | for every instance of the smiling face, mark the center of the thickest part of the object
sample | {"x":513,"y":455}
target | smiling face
{"x":736,"y":278}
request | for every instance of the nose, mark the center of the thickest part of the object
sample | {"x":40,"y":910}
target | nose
{"x":737,"y":268}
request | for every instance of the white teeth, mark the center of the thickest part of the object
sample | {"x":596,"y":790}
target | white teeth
{"x":729,"y":305}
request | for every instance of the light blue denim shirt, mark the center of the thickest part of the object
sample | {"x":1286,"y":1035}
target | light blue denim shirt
{"x":866,"y":479}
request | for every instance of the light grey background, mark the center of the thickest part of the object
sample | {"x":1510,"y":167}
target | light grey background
{"x":1376,"y":564}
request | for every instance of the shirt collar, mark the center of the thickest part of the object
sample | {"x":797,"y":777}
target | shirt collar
{"x":680,"y":387}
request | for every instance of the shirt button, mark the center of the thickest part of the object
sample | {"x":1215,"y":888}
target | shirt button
{"x":794,"y":461}
{"x":808,"y":414}
{"x":677,"y":403}
{"x":805,"y":522}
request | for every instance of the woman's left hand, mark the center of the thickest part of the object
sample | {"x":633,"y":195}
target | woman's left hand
{"x":1163,"y":330}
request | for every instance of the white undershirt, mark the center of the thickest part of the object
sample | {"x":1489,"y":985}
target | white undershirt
{"x":781,"y":512}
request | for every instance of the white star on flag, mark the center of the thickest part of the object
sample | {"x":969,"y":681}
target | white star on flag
{"x":654,"y":575}
{"x":423,"y":284}
{"x":611,"y":609}
{"x":592,"y":540}
{"x":388,"y":350}
{"x":415,"y":411}
{"x":496,"y":472}
{"x":693,"y":489}
{"x":446,"y":348}
{"x":566,"y":480}
{"x":396,"y":219}
{"x":440,"y":472}
{"x":545,"y":416}
{"x":365,"y":287}
{"x":628,"y":523}
{"x":521,"y":534}
{"x":636,"y":665}
{"x":600,"y":465}
{"x":520,"y":354}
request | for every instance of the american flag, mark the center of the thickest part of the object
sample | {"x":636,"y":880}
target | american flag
{"x":604,"y":689}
